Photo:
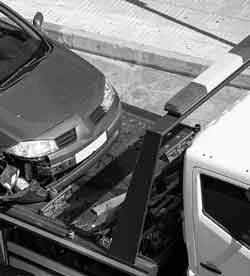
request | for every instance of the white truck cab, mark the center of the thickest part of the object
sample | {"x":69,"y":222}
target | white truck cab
{"x":216,"y":196}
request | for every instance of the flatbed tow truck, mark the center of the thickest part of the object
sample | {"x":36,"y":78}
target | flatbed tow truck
{"x":160,"y":199}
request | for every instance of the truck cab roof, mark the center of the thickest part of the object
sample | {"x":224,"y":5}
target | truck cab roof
{"x":222,"y":146}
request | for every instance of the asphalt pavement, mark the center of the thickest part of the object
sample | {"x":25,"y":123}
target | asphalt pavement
{"x":156,"y":33}
{"x":150,"y":89}
{"x":148,"y":32}
{"x":132,"y":21}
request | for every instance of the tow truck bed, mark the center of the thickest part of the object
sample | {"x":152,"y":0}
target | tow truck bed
{"x":109,"y":173}
{"x":44,"y":239}
{"x":108,"y":178}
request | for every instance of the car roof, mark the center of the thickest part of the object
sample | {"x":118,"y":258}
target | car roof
{"x":224,"y":146}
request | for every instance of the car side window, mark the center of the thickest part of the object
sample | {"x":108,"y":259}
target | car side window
{"x":228,"y":206}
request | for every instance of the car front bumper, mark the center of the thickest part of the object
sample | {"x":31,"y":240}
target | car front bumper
{"x":59,"y":162}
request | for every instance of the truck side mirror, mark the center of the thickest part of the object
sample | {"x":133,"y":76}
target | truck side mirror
{"x":38,"y":20}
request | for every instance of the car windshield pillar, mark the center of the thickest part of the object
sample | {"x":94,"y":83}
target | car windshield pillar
{"x":18,"y":45}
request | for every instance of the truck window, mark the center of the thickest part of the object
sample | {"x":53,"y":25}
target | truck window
{"x":227,"y":205}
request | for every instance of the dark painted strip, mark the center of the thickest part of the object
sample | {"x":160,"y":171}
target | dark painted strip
{"x":242,"y":49}
{"x":144,"y":6}
{"x":185,"y":99}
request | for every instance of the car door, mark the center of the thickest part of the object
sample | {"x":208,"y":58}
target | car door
{"x":221,"y":210}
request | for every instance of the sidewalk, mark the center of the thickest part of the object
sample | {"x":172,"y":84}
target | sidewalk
{"x":123,"y":29}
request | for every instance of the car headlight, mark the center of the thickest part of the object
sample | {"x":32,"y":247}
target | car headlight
{"x":33,"y":149}
{"x":108,"y":97}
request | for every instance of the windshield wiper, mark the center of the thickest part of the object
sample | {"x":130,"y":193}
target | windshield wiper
{"x":25,"y":68}
{"x":21,"y":70}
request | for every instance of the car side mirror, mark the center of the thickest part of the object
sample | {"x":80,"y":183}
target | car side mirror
{"x":38,"y":20}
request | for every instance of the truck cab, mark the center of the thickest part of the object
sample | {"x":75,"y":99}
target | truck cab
{"x":216,"y":196}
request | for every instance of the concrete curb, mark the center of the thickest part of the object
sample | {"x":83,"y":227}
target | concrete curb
{"x":135,"y":53}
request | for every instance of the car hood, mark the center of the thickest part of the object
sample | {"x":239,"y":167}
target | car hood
{"x":61,"y":86}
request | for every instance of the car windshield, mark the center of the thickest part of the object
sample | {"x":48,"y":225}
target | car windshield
{"x":18,"y":45}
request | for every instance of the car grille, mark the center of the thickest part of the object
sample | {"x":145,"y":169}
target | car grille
{"x":97,"y":115}
{"x":66,"y":138}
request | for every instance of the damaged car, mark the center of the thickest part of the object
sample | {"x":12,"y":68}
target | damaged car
{"x":57,"y":111}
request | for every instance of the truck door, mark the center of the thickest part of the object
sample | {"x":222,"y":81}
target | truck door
{"x":221,"y":210}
